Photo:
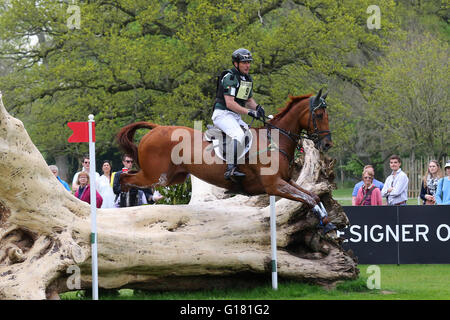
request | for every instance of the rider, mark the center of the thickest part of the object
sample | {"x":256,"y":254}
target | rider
{"x":234,"y":95}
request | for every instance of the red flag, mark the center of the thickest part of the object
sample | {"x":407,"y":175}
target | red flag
{"x":81,"y":131}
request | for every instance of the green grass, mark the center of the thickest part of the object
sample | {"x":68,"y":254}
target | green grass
{"x":404,"y":282}
{"x":344,"y":197}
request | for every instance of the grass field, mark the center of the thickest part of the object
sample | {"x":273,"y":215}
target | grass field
{"x":404,"y":282}
{"x":344,"y":197}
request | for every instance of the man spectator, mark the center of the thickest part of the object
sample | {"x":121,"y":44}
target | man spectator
{"x":85,"y":168}
{"x":54,"y":169}
{"x":376,"y":183}
{"x":395,"y":187}
{"x":134,"y":196}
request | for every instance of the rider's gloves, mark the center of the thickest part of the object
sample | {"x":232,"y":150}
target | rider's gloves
{"x":261,"y":112}
{"x":253,"y":114}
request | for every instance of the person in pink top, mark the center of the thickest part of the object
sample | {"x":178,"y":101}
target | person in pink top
{"x":84,"y":190}
{"x":368,"y":194}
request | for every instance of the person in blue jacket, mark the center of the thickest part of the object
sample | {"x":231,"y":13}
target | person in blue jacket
{"x":54,"y":169}
{"x":442,"y":195}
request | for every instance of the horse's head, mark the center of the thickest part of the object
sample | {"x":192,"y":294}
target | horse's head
{"x":318,"y":127}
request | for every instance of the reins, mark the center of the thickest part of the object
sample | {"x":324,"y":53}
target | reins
{"x":296,"y":138}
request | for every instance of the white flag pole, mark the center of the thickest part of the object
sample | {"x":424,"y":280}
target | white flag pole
{"x":273,"y":242}
{"x":92,"y":178}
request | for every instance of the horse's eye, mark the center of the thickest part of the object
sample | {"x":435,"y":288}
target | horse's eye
{"x":319,"y":116}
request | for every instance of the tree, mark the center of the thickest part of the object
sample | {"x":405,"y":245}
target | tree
{"x":158,"y":60}
{"x":408,"y":103}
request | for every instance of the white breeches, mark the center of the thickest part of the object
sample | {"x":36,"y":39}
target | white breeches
{"x":230,"y":122}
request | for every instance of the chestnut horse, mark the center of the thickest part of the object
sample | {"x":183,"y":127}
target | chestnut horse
{"x":155,"y":154}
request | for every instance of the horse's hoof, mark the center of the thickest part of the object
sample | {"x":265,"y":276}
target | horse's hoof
{"x":329,"y":227}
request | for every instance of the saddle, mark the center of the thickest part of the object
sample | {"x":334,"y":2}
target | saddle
{"x":220,"y":142}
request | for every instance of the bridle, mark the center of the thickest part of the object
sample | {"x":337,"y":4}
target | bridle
{"x":316,"y":136}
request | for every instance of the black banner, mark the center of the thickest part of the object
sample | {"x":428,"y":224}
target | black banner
{"x":398,"y":234}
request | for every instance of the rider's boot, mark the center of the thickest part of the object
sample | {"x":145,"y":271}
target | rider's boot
{"x":232,"y":171}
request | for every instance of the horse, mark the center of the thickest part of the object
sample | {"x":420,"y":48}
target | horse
{"x":155,"y":154}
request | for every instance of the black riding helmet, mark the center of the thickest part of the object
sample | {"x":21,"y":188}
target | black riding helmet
{"x":241,"y":55}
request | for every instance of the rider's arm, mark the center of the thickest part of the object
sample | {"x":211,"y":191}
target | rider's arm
{"x":251,"y":103}
{"x":234,"y":106}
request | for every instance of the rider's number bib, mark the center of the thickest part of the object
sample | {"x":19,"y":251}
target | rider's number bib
{"x":245,"y":88}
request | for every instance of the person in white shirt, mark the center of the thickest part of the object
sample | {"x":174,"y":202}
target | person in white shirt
{"x":395,"y":188}
{"x":104,"y":186}
{"x":86,"y":165}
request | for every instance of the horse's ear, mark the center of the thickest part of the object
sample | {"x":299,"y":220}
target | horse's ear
{"x":325,"y":95}
{"x":318,"y":95}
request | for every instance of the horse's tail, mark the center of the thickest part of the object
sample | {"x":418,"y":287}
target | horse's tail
{"x":125,"y":138}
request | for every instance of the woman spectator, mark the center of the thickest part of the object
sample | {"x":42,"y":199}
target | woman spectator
{"x":84,"y":190}
{"x":430,"y":183}
{"x":368,"y":194}
{"x":104,"y":186}
{"x":443,"y":188}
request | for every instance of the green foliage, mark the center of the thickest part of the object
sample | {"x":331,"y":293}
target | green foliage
{"x":158,"y":61}
{"x":176,"y":194}
{"x":408,"y":103}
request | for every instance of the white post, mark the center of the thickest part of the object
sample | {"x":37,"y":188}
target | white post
{"x":92,"y":178}
{"x":273,"y":242}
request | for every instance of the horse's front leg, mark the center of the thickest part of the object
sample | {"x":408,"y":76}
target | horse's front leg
{"x":319,"y":209}
{"x":284,"y":189}
{"x":315,"y":196}
{"x":287,"y":190}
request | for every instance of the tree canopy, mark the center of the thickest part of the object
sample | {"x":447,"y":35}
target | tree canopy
{"x":127,"y":61}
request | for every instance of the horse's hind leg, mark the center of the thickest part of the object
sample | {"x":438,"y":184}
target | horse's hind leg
{"x":138,"y":179}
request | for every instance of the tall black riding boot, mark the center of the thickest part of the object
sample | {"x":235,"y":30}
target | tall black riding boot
{"x":232,"y":171}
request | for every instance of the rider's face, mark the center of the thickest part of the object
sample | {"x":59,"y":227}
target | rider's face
{"x":244,"y":67}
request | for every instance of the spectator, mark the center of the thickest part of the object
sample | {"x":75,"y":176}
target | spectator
{"x":376,"y":183}
{"x":395,"y":187}
{"x":54,"y":169}
{"x":134,"y":196}
{"x":430,"y":182}
{"x":85,"y":168}
{"x":84,"y":190}
{"x":443,"y":188}
{"x":368,"y":193}
{"x":104,"y":186}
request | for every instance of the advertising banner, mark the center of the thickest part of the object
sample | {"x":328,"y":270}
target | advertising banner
{"x":398,"y":234}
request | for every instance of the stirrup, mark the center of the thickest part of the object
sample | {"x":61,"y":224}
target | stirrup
{"x":233,"y":173}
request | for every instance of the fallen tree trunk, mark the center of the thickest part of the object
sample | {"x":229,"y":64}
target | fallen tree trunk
{"x":215,"y":241}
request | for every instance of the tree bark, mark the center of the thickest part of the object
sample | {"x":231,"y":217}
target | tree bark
{"x":215,"y":241}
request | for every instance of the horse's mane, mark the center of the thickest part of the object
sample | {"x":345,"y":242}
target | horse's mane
{"x":289,"y":104}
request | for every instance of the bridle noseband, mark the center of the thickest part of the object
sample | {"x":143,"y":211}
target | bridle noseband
{"x":315,"y":136}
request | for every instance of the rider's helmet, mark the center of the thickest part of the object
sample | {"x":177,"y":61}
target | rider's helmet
{"x":241,"y":55}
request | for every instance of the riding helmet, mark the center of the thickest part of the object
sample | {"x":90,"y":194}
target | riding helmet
{"x":241,"y":55}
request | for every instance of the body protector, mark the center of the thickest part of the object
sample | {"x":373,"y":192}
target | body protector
{"x":233,"y":83}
